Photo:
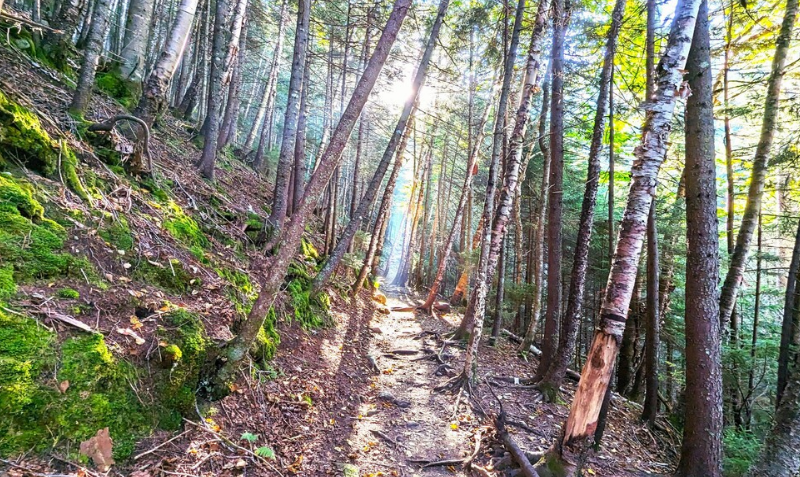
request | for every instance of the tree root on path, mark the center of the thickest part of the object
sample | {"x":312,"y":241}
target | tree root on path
{"x":108,"y":126}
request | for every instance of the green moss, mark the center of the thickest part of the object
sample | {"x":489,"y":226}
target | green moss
{"x":240,"y":290}
{"x":104,"y":148}
{"x":171,"y":277}
{"x":310,"y":253}
{"x":8,"y":287}
{"x":184,"y":228}
{"x":309,"y":308}
{"x":117,"y":234}
{"x":186,"y":356}
{"x":23,"y":138}
{"x":28,"y":241}
{"x":125,"y":92}
{"x":68,"y":293}
{"x":97,"y":391}
{"x":268,"y":339}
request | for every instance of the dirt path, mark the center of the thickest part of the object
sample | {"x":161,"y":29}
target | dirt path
{"x":407,"y":422}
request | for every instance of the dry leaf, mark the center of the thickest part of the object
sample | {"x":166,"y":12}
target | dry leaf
{"x":63,"y":386}
{"x":98,"y":448}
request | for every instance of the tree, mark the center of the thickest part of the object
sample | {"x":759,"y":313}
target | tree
{"x":222,"y":54}
{"x":789,"y":322}
{"x":650,"y":154}
{"x":154,"y":96}
{"x":236,"y":349}
{"x":134,"y":51}
{"x":779,"y":456}
{"x":551,"y":380}
{"x":101,"y":17}
{"x":701,"y":452}
{"x":391,"y":148}
{"x":730,"y":288}
{"x":280,"y":198}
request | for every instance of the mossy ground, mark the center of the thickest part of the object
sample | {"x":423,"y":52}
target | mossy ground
{"x":23,"y":140}
{"x":30,"y":243}
{"x":310,"y":309}
{"x":126,"y":92}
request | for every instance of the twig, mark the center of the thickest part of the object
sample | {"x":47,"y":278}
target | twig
{"x":385,"y":437}
{"x":159,"y":446}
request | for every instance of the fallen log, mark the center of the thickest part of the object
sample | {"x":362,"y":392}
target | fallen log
{"x":517,"y":454}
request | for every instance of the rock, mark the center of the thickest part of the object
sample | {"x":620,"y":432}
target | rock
{"x":349,"y":470}
{"x":376,"y":330}
{"x":383,"y":310}
{"x":379,"y":297}
{"x":389,"y":397}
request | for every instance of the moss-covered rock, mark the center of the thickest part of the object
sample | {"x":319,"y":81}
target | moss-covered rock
{"x":184,"y":228}
{"x":125,"y":92}
{"x":23,"y":139}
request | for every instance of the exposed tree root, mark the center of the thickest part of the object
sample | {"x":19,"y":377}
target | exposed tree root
{"x":108,"y":125}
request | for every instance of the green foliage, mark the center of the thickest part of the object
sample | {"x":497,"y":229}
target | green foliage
{"x":265,"y":452}
{"x":95,"y":390}
{"x":68,"y":293}
{"x":23,"y":139}
{"x":741,"y":449}
{"x":28,"y":241}
{"x":240,"y":291}
{"x":249,"y":437}
{"x":123,"y":91}
{"x":117,"y":234}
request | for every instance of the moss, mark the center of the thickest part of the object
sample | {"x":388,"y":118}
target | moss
{"x":28,"y":241}
{"x":117,"y":234}
{"x":125,"y":92}
{"x":8,"y":287}
{"x":171,"y":277}
{"x":310,"y":253}
{"x":309,"y":308}
{"x":240,"y":290}
{"x":186,"y":356}
{"x":23,"y":138}
{"x":184,"y":228}
{"x":104,"y":148}
{"x":68,"y":293}
{"x":268,"y":339}
{"x":97,"y":391}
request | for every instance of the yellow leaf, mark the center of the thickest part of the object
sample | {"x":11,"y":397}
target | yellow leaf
{"x":454,"y":426}
{"x":590,"y":471}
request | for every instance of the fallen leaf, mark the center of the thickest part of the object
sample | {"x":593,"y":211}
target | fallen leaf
{"x":63,"y":386}
{"x":98,"y":448}
{"x":129,"y":332}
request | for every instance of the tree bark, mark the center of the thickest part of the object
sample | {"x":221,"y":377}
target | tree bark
{"x":236,"y":350}
{"x":541,"y":218}
{"x":227,"y":131}
{"x":649,"y":156}
{"x":733,"y":279}
{"x":280,"y":199}
{"x":134,"y":50}
{"x":391,"y":148}
{"x":299,"y":174}
{"x":154,"y":96}
{"x":788,"y":324}
{"x":701,"y":452}
{"x":779,"y":456}
{"x":553,"y":377}
{"x":268,"y":96}
{"x":101,"y":18}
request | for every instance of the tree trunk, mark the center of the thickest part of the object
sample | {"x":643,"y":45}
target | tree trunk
{"x":226,"y":41}
{"x":227,"y":132}
{"x":236,"y":350}
{"x":498,"y":303}
{"x":391,"y":148}
{"x":154,"y":96}
{"x":300,"y":142}
{"x":551,"y":380}
{"x":268,"y":97}
{"x":280,"y":199}
{"x":101,"y":17}
{"x":701,"y":452}
{"x":649,"y":156}
{"x":650,"y":410}
{"x":748,"y":399}
{"x":779,"y":456}
{"x":733,"y":279}
{"x":555,"y":192}
{"x":789,"y":323}
{"x":537,"y":259}
{"x":137,"y":26}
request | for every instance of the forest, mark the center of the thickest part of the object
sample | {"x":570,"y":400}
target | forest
{"x":399,"y":238}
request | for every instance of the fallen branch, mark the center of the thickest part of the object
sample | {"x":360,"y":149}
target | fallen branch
{"x":10,"y":16}
{"x":66,"y":319}
{"x":519,"y":456}
{"x":109,"y":124}
{"x":159,"y":446}
{"x":233,"y":444}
